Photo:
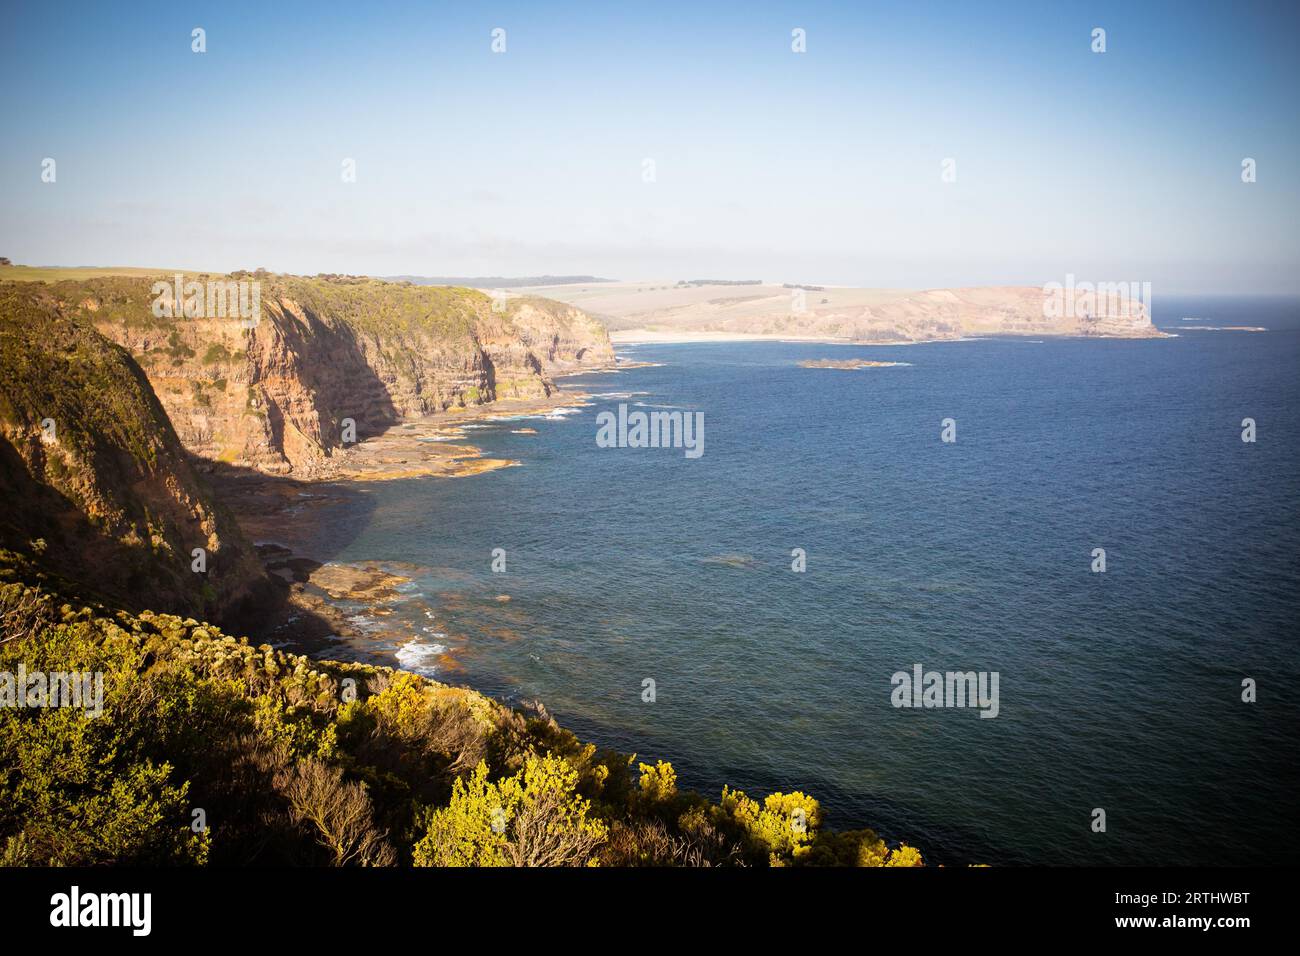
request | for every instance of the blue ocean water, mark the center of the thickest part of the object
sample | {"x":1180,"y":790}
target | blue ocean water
{"x":1118,"y":690}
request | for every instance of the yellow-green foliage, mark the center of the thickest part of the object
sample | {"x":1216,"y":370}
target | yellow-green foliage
{"x":784,"y":825}
{"x":860,"y":848}
{"x":284,"y":726}
{"x":533,"y":818}
{"x":399,"y":706}
{"x":904,"y":856}
{"x":658,"y":782}
{"x":294,"y":761}
{"x":79,"y":273}
{"x":76,"y":789}
{"x":365,"y":304}
{"x":116,"y":300}
{"x":463,"y":833}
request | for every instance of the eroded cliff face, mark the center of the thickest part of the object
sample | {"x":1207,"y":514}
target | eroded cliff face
{"x":564,"y":337}
{"x":99,"y":488}
{"x":327,"y":355}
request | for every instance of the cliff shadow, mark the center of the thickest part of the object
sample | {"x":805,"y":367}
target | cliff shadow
{"x":294,"y":526}
{"x":114,"y":565}
{"x":334,"y":371}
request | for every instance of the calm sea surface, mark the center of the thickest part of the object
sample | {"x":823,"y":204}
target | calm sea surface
{"x":1119,"y":690}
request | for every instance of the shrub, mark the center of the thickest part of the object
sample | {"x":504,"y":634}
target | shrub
{"x":339,"y":813}
{"x":77,"y":790}
{"x":658,"y":783}
{"x":533,"y":818}
{"x":284,"y":770}
{"x":216,"y":353}
{"x":860,"y":848}
{"x":783,"y":827}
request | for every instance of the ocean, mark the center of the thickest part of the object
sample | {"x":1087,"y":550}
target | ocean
{"x":1119,"y":690}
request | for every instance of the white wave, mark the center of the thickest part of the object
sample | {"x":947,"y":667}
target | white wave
{"x":559,"y":414}
{"x":415,"y":655}
{"x":364,"y":622}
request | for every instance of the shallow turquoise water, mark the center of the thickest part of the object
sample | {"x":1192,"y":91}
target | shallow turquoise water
{"x":1118,"y":690}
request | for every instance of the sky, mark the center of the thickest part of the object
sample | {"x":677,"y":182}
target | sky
{"x":826,"y":166}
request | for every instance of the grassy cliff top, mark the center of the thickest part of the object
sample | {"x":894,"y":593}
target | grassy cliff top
{"x":373,"y":305}
{"x":78,"y":273}
{"x":125,"y":296}
{"x":378,"y":306}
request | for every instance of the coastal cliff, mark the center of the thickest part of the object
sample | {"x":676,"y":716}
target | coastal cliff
{"x":289,"y":760}
{"x":278,"y":395}
{"x":97,"y":485}
{"x":565,"y":337}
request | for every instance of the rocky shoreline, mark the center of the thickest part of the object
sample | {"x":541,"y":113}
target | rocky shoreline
{"x":322,"y":601}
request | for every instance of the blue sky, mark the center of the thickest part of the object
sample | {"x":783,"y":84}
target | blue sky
{"x":816,"y":167}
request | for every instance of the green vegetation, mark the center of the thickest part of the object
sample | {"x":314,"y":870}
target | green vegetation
{"x":125,"y":296}
{"x":216,"y":353}
{"x":82,"y":273}
{"x":210,"y":750}
{"x":90,"y":463}
{"x":112,"y":300}
{"x":60,"y":369}
{"x":177,"y":349}
{"x":535,"y":817}
{"x":378,"y":307}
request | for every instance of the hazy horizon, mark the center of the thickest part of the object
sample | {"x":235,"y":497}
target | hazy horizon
{"x":821,"y":167}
